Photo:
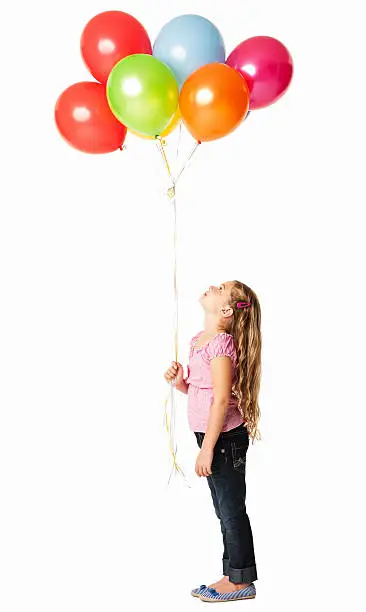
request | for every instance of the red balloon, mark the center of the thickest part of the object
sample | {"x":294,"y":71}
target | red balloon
{"x":85,"y":120}
{"x":267,"y":67}
{"x":110,"y":37}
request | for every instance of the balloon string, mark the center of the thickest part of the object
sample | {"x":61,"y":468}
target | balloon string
{"x":170,"y":422}
{"x":161,"y":146}
{"x":190,"y":155}
{"x":175,"y":179}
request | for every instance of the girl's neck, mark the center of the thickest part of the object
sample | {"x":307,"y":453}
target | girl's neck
{"x":212,"y":326}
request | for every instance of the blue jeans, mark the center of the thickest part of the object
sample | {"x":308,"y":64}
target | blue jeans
{"x":228,"y":491}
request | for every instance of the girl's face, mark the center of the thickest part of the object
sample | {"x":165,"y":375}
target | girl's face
{"x":216,"y":298}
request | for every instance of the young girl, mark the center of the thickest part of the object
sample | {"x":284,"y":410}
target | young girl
{"x":222,"y":387}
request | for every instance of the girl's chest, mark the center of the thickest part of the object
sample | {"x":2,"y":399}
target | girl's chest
{"x":199,"y":366}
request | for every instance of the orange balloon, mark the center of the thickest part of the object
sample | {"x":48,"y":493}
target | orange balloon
{"x":214,"y":101}
{"x":168,"y":130}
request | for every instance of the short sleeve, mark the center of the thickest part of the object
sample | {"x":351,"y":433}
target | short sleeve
{"x":222,"y":346}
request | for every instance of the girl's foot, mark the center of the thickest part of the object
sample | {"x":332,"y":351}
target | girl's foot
{"x":219,"y":583}
{"x":225,"y":586}
{"x":196,"y":592}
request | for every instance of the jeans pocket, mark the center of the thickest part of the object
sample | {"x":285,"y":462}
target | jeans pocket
{"x":239,"y":454}
{"x":219,"y":458}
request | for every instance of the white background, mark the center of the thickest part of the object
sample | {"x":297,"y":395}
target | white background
{"x":87,"y":521}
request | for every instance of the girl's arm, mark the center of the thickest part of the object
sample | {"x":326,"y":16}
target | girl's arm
{"x":222,"y":383}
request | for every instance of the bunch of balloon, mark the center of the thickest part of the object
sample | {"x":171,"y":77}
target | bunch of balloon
{"x":184,"y":76}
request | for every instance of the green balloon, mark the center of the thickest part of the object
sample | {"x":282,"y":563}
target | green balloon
{"x":143,"y":94}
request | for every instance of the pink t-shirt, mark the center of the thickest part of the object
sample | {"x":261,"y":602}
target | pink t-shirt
{"x":200,"y":387}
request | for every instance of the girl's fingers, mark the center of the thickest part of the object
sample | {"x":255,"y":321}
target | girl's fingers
{"x":200,"y":470}
{"x":175,"y":371}
{"x":171,"y":372}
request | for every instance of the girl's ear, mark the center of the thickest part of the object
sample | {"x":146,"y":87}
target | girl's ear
{"x":227,"y":312}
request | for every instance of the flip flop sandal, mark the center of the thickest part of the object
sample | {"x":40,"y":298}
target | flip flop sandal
{"x":197,"y":592}
{"x":212,"y":595}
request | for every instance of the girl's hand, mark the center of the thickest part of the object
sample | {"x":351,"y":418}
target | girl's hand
{"x":175,"y":372}
{"x":203,"y":463}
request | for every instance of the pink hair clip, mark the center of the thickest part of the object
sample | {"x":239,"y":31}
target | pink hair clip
{"x":243,"y":305}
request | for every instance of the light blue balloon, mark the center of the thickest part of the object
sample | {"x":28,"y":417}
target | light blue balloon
{"x":188,"y":42}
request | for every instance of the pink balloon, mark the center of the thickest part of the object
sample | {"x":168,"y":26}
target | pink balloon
{"x":267,"y":67}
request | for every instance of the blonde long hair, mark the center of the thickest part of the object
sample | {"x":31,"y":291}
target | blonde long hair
{"x":245,"y":327}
